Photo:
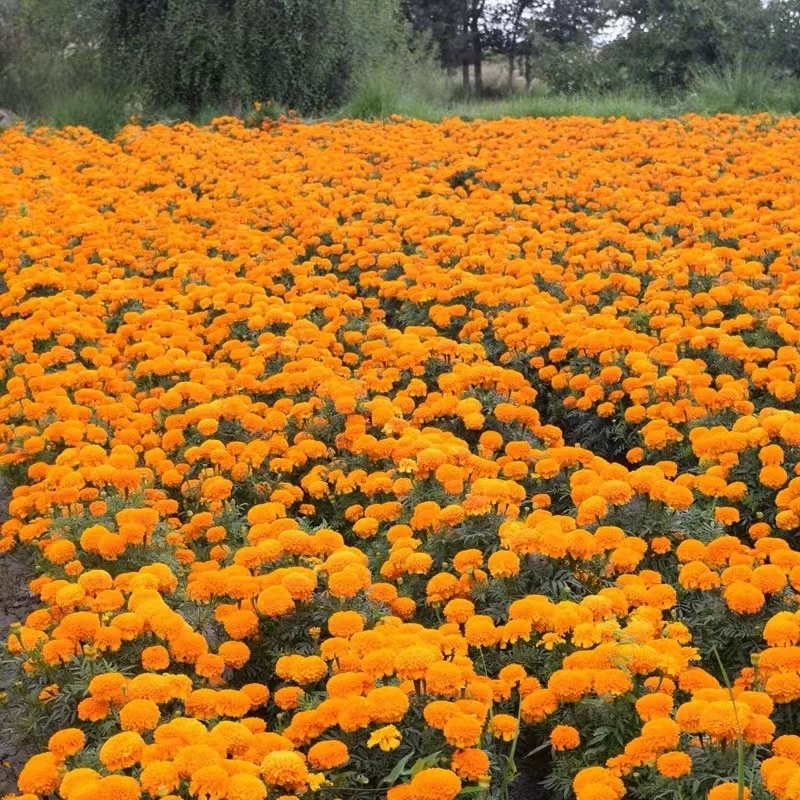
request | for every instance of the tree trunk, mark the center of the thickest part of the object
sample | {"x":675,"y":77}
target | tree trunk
{"x":477,"y":55}
{"x":465,"y":75}
{"x":511,"y":57}
{"x":527,"y":70}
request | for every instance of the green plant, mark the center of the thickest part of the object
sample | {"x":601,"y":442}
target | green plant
{"x":91,"y":106}
{"x":739,"y":85}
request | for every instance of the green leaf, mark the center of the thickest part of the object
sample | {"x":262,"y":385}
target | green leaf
{"x":398,"y":769}
{"x":425,"y":762}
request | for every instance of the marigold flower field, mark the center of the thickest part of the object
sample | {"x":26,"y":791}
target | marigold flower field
{"x":365,"y":459}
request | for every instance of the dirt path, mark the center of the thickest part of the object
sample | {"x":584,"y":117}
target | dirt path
{"x":15,"y":604}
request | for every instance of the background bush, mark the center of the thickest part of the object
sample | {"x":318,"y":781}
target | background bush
{"x":96,"y":63}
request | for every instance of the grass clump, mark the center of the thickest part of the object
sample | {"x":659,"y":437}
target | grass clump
{"x":379,"y":93}
{"x":89,"y":106}
{"x":742,"y":85}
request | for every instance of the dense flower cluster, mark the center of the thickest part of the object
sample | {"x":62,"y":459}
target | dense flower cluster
{"x":355,"y":455}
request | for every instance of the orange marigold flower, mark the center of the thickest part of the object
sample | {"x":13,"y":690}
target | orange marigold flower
{"x":288,"y":697}
{"x":387,"y":704}
{"x":66,"y":742}
{"x":462,"y":730}
{"x":139,"y":715}
{"x":121,"y":751}
{"x":743,"y":598}
{"x":471,"y":764}
{"x":564,"y":737}
{"x":285,"y":768}
{"x":40,"y":775}
{"x":209,"y":781}
{"x":328,"y":754}
{"x":661,"y":733}
{"x":655,"y":705}
{"x":597,"y":776}
{"x":674,"y":764}
{"x":118,"y":787}
{"x":503,"y":564}
{"x":345,"y":623}
{"x":727,"y":515}
{"x":245,"y":787}
{"x":274,"y":601}
{"x":234,"y":654}
{"x":435,"y":784}
{"x":538,"y":705}
{"x":728,"y":791}
{"x":504,"y":727}
{"x":76,"y":779}
{"x":444,"y":678}
{"x":159,"y":778}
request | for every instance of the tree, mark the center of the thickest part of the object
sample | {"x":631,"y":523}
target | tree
{"x":458,"y":29}
{"x":510,"y":31}
{"x":667,"y":39}
{"x":301,"y":53}
{"x":783,"y":34}
{"x":571,"y":21}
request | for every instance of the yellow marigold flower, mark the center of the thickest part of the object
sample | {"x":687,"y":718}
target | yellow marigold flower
{"x":387,"y":738}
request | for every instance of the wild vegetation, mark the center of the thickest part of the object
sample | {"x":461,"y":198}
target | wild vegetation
{"x":99,"y":63}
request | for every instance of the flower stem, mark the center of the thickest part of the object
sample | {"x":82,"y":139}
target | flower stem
{"x":739,"y":739}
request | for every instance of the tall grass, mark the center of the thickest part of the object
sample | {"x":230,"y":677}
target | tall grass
{"x":90,"y":106}
{"x":631,"y":104}
{"x":742,"y":85}
{"x":381,"y":92}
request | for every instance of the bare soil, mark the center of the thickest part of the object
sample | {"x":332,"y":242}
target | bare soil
{"x":16,"y":602}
